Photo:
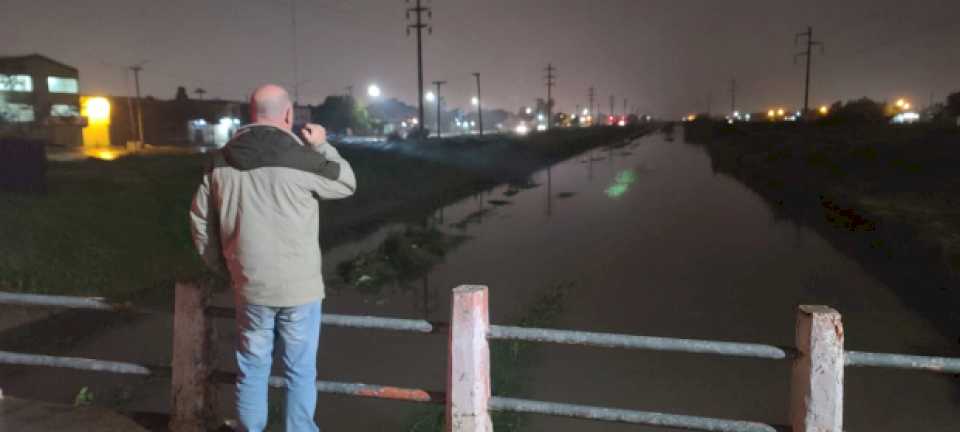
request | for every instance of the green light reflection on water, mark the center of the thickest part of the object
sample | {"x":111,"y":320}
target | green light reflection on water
{"x":621,"y":184}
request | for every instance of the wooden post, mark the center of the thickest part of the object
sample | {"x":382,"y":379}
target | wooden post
{"x":468,"y":369}
{"x":816,"y":390}
{"x":192,"y":393}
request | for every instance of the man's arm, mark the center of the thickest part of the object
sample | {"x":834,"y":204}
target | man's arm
{"x":205,"y":227}
{"x":337,"y":179}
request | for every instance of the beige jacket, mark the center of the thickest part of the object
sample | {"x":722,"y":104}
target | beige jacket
{"x":256,"y":213}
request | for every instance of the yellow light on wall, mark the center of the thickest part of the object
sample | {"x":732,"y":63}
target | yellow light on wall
{"x":97,"y":111}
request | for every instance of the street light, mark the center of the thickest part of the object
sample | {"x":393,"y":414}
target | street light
{"x":430,"y":97}
{"x":474,"y":101}
{"x":373,"y":91}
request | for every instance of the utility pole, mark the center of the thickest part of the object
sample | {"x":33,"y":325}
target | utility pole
{"x":136,"y":79}
{"x":550,"y":83}
{"x":419,"y":25}
{"x":479,"y":103}
{"x":709,"y":104}
{"x":296,"y":57}
{"x":733,"y":96}
{"x":808,"y":53}
{"x":612,"y":101}
{"x":349,"y":90}
{"x":439,"y":100}
{"x":624,"y":113}
{"x":591,"y":94}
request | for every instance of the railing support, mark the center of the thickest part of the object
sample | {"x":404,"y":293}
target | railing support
{"x":192,"y":392}
{"x":816,"y":390}
{"x":468,"y":369}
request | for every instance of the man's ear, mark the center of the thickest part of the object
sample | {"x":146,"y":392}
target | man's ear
{"x":289,"y":116}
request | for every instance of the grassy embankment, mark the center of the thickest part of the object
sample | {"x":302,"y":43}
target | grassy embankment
{"x":887,"y":195}
{"x":119,"y":229}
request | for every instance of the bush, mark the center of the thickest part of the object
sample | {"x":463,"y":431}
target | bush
{"x":23,"y":166}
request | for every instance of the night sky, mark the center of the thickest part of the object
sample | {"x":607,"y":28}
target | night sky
{"x":664,"y":56}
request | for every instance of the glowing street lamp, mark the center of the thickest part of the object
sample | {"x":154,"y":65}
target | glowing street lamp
{"x":474,"y":101}
{"x":430,"y":97}
{"x":373,"y":91}
{"x":529,"y":110}
{"x":771,"y":113}
{"x":780,"y":112}
{"x":824,"y":110}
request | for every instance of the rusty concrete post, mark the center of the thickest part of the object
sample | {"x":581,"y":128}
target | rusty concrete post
{"x":468,"y":367}
{"x":192,"y":393}
{"x":816,"y":389}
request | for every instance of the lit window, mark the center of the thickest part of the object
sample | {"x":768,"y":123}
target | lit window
{"x":16,"y":83}
{"x":63,"y":110}
{"x":16,"y":112}
{"x":62,"y":85}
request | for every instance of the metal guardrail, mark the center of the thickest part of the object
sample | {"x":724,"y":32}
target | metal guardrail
{"x":352,"y":321}
{"x":77,"y":363}
{"x":626,"y":416}
{"x":610,"y":340}
{"x":123,"y":368}
{"x":818,"y":321}
{"x":901,"y":361}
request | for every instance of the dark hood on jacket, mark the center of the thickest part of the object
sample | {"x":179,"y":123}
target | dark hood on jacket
{"x":262,"y":146}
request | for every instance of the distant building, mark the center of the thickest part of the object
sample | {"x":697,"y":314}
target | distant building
{"x":182,"y":121}
{"x":39,"y":99}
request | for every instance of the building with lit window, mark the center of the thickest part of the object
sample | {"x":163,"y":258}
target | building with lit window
{"x":40,"y":99}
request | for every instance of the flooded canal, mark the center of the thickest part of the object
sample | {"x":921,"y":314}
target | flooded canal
{"x":645,"y":239}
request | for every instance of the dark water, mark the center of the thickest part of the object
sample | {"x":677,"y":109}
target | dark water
{"x":648,"y":241}
{"x":652,"y":242}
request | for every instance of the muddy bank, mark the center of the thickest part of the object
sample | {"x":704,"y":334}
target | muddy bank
{"x":884,"y":195}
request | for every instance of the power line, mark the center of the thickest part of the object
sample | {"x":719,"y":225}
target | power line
{"x":808,"y":53}
{"x":419,"y":25}
{"x":550,"y":83}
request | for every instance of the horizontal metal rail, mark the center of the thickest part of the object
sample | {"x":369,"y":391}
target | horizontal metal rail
{"x":67,"y":302}
{"x":609,"y":340}
{"x":98,"y":303}
{"x":93,"y":365}
{"x":21,"y":359}
{"x":626,"y":416}
{"x":353,"y":321}
{"x":902,"y":361}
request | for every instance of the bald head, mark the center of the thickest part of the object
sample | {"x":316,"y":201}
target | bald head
{"x":270,"y":104}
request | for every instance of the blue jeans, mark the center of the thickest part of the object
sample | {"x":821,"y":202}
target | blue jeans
{"x":298,"y":334}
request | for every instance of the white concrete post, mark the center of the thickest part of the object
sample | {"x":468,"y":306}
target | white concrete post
{"x":468,"y":368}
{"x":192,"y":393}
{"x":816,"y":390}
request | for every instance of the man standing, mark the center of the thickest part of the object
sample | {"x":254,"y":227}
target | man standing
{"x":256,"y":214}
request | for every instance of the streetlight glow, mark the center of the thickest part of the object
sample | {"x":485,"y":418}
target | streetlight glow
{"x":373,"y":91}
{"x":430,"y":97}
{"x":475,"y":101}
